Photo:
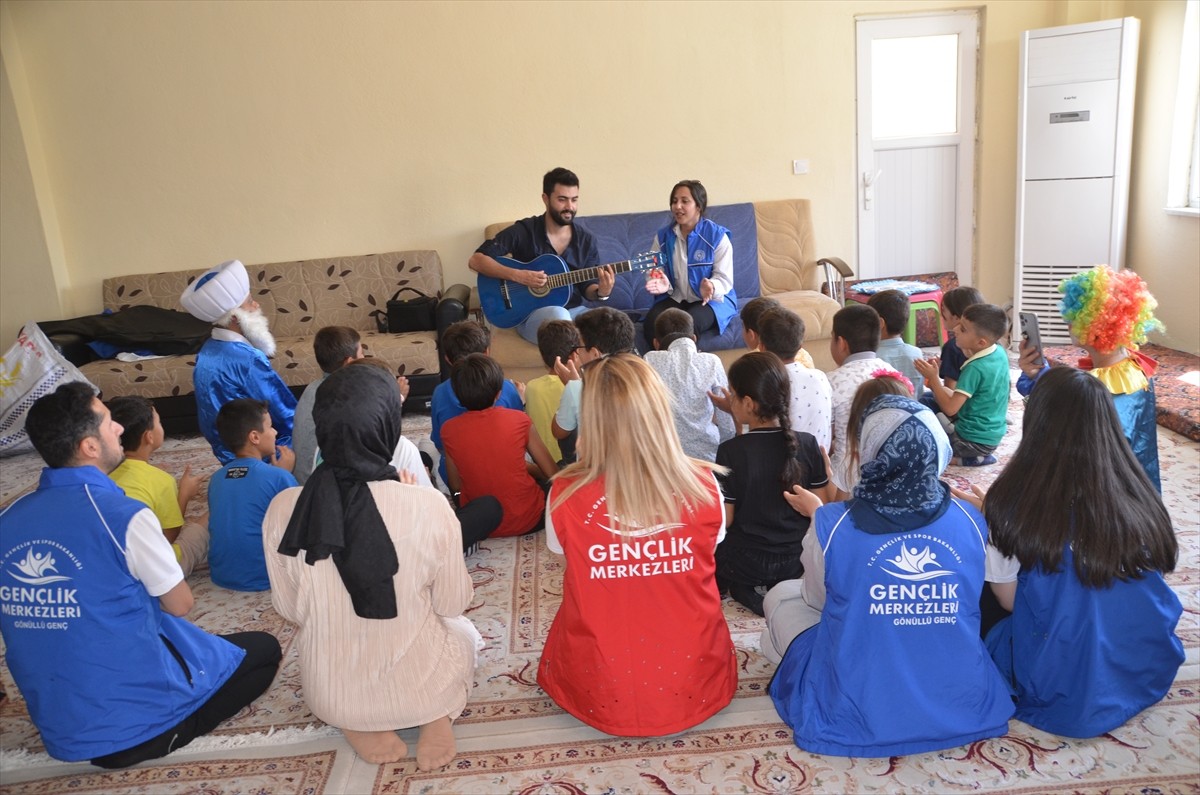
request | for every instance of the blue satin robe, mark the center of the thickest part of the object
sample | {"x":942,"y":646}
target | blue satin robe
{"x":228,"y":370}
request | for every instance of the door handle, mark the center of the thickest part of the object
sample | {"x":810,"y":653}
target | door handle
{"x":868,"y":181}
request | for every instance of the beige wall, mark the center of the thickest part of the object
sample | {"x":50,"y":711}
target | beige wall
{"x":1163,"y":248}
{"x":176,"y":135}
{"x":27,"y":284}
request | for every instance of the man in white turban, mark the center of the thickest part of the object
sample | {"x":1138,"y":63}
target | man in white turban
{"x":233,"y":363}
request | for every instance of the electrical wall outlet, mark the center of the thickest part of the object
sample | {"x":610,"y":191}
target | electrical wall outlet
{"x":799,"y":166}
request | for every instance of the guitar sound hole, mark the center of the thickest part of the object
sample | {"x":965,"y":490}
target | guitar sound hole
{"x":540,"y":292}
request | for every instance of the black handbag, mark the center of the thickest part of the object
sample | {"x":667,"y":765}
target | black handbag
{"x":414,"y":314}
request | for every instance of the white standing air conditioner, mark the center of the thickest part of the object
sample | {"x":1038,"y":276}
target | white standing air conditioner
{"x":1075,"y":131}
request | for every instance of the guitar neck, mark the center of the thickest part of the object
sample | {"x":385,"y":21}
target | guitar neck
{"x":588,"y":274}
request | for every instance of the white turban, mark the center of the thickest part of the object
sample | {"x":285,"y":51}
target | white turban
{"x":221,"y":289}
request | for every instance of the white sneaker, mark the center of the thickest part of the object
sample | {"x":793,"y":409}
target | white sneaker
{"x":426,"y":446}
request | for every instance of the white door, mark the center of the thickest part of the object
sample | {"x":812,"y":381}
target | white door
{"x":916,"y":144}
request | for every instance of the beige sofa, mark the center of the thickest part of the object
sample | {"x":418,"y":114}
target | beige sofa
{"x":298,"y":298}
{"x":782,"y":262}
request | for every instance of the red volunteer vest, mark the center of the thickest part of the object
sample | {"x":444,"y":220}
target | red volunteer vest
{"x":639,"y":646}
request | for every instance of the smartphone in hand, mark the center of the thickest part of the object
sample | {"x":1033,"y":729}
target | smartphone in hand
{"x":1031,"y":333}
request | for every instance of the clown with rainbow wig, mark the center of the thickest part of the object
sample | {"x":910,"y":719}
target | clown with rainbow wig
{"x":1110,"y":313}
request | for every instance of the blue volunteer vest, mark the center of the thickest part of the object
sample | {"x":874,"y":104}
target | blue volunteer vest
{"x":1082,"y":660}
{"x":896,"y":665}
{"x":101,"y":666}
{"x":701,"y":247}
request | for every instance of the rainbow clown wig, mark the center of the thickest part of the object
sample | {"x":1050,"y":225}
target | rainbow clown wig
{"x":1108,"y":309}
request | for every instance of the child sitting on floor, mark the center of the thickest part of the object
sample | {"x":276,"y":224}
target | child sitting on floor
{"x":405,"y":457}
{"x":893,"y":308}
{"x":604,"y":332}
{"x":781,"y":332}
{"x":979,"y":400}
{"x":1092,"y":637}
{"x":240,"y":491}
{"x":148,"y":484}
{"x":865,"y":672}
{"x":557,"y":339}
{"x":460,"y":340}
{"x":689,"y":375}
{"x":750,"y":313}
{"x":476,"y":518}
{"x":764,"y":535}
{"x":954,"y":303}
{"x":1110,"y":313}
{"x":855,"y":338}
{"x":795,"y":605}
{"x":335,"y":347}
{"x":486,"y":446}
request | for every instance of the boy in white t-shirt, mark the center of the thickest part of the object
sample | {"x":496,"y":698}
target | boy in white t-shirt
{"x":781,"y":332}
{"x":750,"y":312}
{"x":689,"y":374}
{"x":853,"y":344}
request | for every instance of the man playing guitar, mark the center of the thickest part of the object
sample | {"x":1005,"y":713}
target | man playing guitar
{"x":553,"y":232}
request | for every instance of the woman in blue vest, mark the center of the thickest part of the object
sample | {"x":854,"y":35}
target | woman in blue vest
{"x":894,"y":664}
{"x":1091,"y":641}
{"x":698,"y":260}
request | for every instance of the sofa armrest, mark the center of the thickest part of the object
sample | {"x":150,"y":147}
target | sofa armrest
{"x":836,"y":274}
{"x":450,"y":309}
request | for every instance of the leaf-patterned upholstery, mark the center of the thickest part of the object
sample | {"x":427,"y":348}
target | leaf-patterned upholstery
{"x":298,"y":298}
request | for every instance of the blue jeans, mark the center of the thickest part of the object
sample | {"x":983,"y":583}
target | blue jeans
{"x":528,"y":328}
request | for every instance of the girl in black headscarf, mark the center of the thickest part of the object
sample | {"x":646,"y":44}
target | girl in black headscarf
{"x":380,"y":589}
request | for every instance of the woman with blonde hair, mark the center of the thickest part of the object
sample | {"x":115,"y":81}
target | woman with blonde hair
{"x":639,"y":646}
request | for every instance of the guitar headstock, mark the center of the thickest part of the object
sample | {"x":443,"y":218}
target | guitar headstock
{"x":645,"y":261}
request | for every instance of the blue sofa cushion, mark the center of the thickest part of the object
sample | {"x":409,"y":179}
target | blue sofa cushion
{"x":621,"y":236}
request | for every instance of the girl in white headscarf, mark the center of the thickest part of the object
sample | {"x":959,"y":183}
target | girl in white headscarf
{"x":894,"y":664}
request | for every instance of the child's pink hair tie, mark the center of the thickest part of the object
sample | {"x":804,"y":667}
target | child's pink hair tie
{"x":881,"y":373}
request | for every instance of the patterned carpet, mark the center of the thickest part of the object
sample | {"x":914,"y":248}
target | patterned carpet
{"x":512,"y":738}
{"x":1176,"y":385}
{"x":308,"y":773}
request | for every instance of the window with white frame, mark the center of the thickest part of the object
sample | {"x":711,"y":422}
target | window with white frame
{"x":1183,"y":184}
{"x":1193,"y":195}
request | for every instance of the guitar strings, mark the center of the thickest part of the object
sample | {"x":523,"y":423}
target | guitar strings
{"x":587,"y":274}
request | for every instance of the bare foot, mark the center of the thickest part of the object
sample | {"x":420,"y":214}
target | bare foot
{"x":378,"y":747}
{"x":435,"y":745}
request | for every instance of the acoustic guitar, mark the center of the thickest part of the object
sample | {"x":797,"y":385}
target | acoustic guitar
{"x":506,"y":303}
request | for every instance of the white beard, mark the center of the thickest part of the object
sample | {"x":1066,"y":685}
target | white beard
{"x":255,"y":328}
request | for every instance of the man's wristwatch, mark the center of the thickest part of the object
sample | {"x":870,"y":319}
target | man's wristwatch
{"x":602,"y":297}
